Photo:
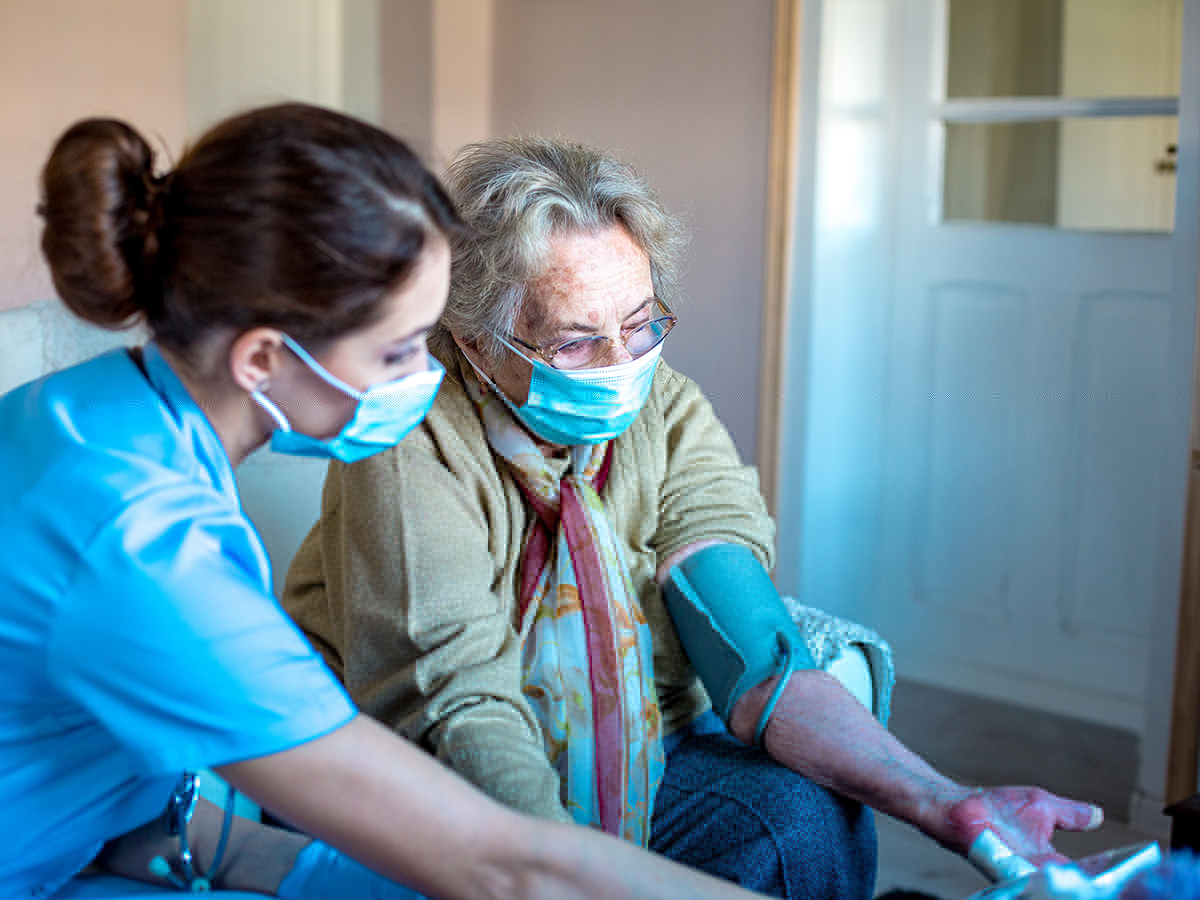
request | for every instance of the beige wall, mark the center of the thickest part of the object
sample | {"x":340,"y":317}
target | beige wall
{"x":61,"y":60}
{"x":682,"y":88}
{"x":406,"y":70}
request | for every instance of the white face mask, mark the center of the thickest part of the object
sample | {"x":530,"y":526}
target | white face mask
{"x":584,"y":406}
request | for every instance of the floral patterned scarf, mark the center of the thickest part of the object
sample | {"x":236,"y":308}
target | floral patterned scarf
{"x":587,"y":659}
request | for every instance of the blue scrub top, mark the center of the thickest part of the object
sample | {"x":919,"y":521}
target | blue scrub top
{"x":138,"y":633}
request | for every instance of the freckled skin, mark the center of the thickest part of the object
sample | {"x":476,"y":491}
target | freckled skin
{"x":593,"y":284}
{"x":595,"y":281}
{"x":821,"y":731}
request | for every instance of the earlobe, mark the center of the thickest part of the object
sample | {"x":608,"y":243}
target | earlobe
{"x":471,"y":352}
{"x":514,"y":383}
{"x":255,"y":357}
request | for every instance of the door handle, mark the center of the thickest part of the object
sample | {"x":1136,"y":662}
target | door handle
{"x":1168,"y":163}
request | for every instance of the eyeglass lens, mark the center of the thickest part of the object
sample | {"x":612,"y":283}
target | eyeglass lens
{"x":582,"y":353}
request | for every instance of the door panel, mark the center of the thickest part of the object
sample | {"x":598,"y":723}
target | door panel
{"x":969,"y":431}
{"x":1120,"y":388}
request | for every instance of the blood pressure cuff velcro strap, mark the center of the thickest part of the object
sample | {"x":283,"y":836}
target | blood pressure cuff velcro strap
{"x":733,"y":626}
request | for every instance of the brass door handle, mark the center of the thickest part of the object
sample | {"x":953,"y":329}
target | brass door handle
{"x":1169,"y":162}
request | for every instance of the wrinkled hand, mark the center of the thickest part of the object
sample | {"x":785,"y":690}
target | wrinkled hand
{"x":1023,"y":818}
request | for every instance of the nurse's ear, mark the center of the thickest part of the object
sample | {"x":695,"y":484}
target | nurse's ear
{"x":255,"y":357}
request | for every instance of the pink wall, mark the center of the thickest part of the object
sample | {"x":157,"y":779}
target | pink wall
{"x":683,"y":89}
{"x":61,"y":60}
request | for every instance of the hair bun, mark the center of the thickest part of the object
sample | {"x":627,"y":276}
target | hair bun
{"x":103,"y":206}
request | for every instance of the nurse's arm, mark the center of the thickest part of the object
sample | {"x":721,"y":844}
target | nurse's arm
{"x":398,"y":811}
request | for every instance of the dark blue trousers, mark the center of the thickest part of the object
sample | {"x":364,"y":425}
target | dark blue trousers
{"x":731,"y":811}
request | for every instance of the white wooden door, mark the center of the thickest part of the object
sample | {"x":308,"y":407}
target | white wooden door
{"x":1035,"y":442}
{"x":988,"y":457}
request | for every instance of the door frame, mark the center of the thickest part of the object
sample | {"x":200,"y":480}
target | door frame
{"x":784,"y":228}
{"x":1183,"y":750}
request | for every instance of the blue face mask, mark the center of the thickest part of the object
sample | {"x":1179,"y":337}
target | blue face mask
{"x":584,"y":406}
{"x":385,"y":413}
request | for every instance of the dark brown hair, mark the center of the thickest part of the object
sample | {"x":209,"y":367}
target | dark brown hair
{"x":291,"y":216}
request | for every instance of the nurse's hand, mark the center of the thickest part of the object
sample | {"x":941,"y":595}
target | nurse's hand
{"x":1023,"y":819}
{"x":322,"y":873}
{"x":256,"y":859}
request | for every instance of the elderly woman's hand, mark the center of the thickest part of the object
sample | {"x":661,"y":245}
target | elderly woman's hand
{"x":819,"y":730}
{"x":1024,"y":820}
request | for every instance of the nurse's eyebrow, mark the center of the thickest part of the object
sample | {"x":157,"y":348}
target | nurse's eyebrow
{"x":414,"y":336}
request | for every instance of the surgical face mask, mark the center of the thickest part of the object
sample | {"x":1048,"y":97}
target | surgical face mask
{"x":584,"y":406}
{"x":385,"y":413}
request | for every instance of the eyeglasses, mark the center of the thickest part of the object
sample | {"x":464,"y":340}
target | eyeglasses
{"x":583,"y":353}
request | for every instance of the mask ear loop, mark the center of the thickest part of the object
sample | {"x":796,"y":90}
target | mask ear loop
{"x":272,"y":410}
{"x":325,"y":375}
{"x":479,"y":374}
{"x":495,"y":389}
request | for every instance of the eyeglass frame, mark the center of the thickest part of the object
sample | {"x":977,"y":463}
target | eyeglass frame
{"x":624,"y":342}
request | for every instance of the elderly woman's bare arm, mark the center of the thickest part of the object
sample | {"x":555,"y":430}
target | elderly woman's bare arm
{"x":819,"y":730}
{"x":398,"y":811}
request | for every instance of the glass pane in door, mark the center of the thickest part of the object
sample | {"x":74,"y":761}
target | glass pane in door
{"x":1063,"y":48}
{"x":1111,"y":174}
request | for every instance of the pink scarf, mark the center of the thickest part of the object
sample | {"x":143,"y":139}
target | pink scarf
{"x":587,"y":658}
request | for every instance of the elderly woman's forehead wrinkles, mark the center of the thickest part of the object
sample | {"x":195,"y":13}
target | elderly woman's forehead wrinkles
{"x":593,"y":282}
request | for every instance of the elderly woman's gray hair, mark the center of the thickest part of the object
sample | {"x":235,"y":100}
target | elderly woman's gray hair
{"x":517,"y":193}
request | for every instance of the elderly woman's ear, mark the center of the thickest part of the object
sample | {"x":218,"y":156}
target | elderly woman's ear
{"x":471,"y":352}
{"x":509,"y":374}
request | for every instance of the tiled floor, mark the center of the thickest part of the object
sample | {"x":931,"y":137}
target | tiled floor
{"x":907,"y":859}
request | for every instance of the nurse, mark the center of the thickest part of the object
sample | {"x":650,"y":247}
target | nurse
{"x":288,"y":269}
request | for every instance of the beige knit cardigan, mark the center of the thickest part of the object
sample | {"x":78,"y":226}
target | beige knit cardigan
{"x":407,"y":583}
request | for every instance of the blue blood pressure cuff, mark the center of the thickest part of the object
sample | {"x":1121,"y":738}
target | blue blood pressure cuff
{"x":733,"y":626}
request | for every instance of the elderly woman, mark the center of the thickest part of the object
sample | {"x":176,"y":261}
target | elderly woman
{"x":505,"y":602}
